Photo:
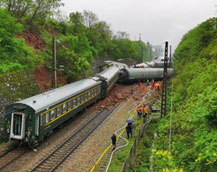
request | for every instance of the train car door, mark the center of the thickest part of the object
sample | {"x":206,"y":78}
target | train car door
{"x":17,"y":125}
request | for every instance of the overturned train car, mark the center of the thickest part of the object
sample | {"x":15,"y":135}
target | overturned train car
{"x":143,"y":74}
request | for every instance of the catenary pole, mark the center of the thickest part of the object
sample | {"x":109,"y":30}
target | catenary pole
{"x":164,"y":88}
{"x":170,"y":64}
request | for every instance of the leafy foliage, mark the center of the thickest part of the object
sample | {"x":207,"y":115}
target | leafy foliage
{"x":31,"y":10}
{"x":14,"y":53}
{"x":79,"y":40}
{"x":194,"y":144}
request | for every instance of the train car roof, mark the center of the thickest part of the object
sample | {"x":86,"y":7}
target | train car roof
{"x":108,"y":73}
{"x":47,"y":99}
{"x":118,"y":64}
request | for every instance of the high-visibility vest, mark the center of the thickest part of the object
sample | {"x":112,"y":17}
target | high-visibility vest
{"x":137,"y":109}
{"x":152,"y":85}
{"x":140,"y":85}
{"x":144,"y":109}
{"x":145,"y":90}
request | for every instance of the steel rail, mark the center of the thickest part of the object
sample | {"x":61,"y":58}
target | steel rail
{"x":66,"y":148}
{"x":13,"y":159}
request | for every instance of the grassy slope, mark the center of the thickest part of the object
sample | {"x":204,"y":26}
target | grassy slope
{"x":194,"y":136}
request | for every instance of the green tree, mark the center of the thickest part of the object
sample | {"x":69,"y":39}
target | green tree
{"x":31,"y":9}
{"x":14,"y":53}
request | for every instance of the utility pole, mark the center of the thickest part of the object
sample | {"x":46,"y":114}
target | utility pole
{"x":54,"y":74}
{"x":164,"y":88}
{"x":170,"y":64}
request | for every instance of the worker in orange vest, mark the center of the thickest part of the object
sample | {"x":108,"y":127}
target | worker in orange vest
{"x":140,"y":85}
{"x":152,"y":84}
{"x":139,"y":111}
{"x":144,"y":109}
{"x":157,"y":86}
{"x":160,"y":84}
{"x":145,"y":90}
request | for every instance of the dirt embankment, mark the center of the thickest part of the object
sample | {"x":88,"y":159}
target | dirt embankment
{"x":44,"y":78}
{"x":33,"y":39}
{"x":43,"y":75}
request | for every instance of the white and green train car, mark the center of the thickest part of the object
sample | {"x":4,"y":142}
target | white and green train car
{"x":33,"y":118}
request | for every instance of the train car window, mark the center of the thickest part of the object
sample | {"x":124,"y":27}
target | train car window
{"x":86,"y":96}
{"x":53,"y":113}
{"x":64,"y":107}
{"x":89,"y":95}
{"x":71,"y":102}
{"x":78,"y":100}
{"x":59,"y":110}
{"x":68,"y":105}
{"x":74,"y":103}
{"x":47,"y":117}
{"x":81,"y":98}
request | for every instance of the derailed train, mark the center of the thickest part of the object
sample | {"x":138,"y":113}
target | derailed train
{"x":158,"y":62}
{"x":143,"y":74}
{"x":31,"y":119}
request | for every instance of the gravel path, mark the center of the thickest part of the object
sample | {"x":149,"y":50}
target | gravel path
{"x":84,"y":158}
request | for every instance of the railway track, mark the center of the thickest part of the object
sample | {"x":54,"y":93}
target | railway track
{"x":62,"y":151}
{"x":9,"y":157}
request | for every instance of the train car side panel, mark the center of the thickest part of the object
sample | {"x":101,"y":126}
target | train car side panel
{"x":56,"y":115}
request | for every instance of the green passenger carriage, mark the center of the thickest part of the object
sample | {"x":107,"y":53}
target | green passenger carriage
{"x":31,"y":119}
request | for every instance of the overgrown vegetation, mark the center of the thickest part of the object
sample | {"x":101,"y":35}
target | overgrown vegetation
{"x":194,"y":135}
{"x":81,"y":38}
{"x":14,"y":53}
